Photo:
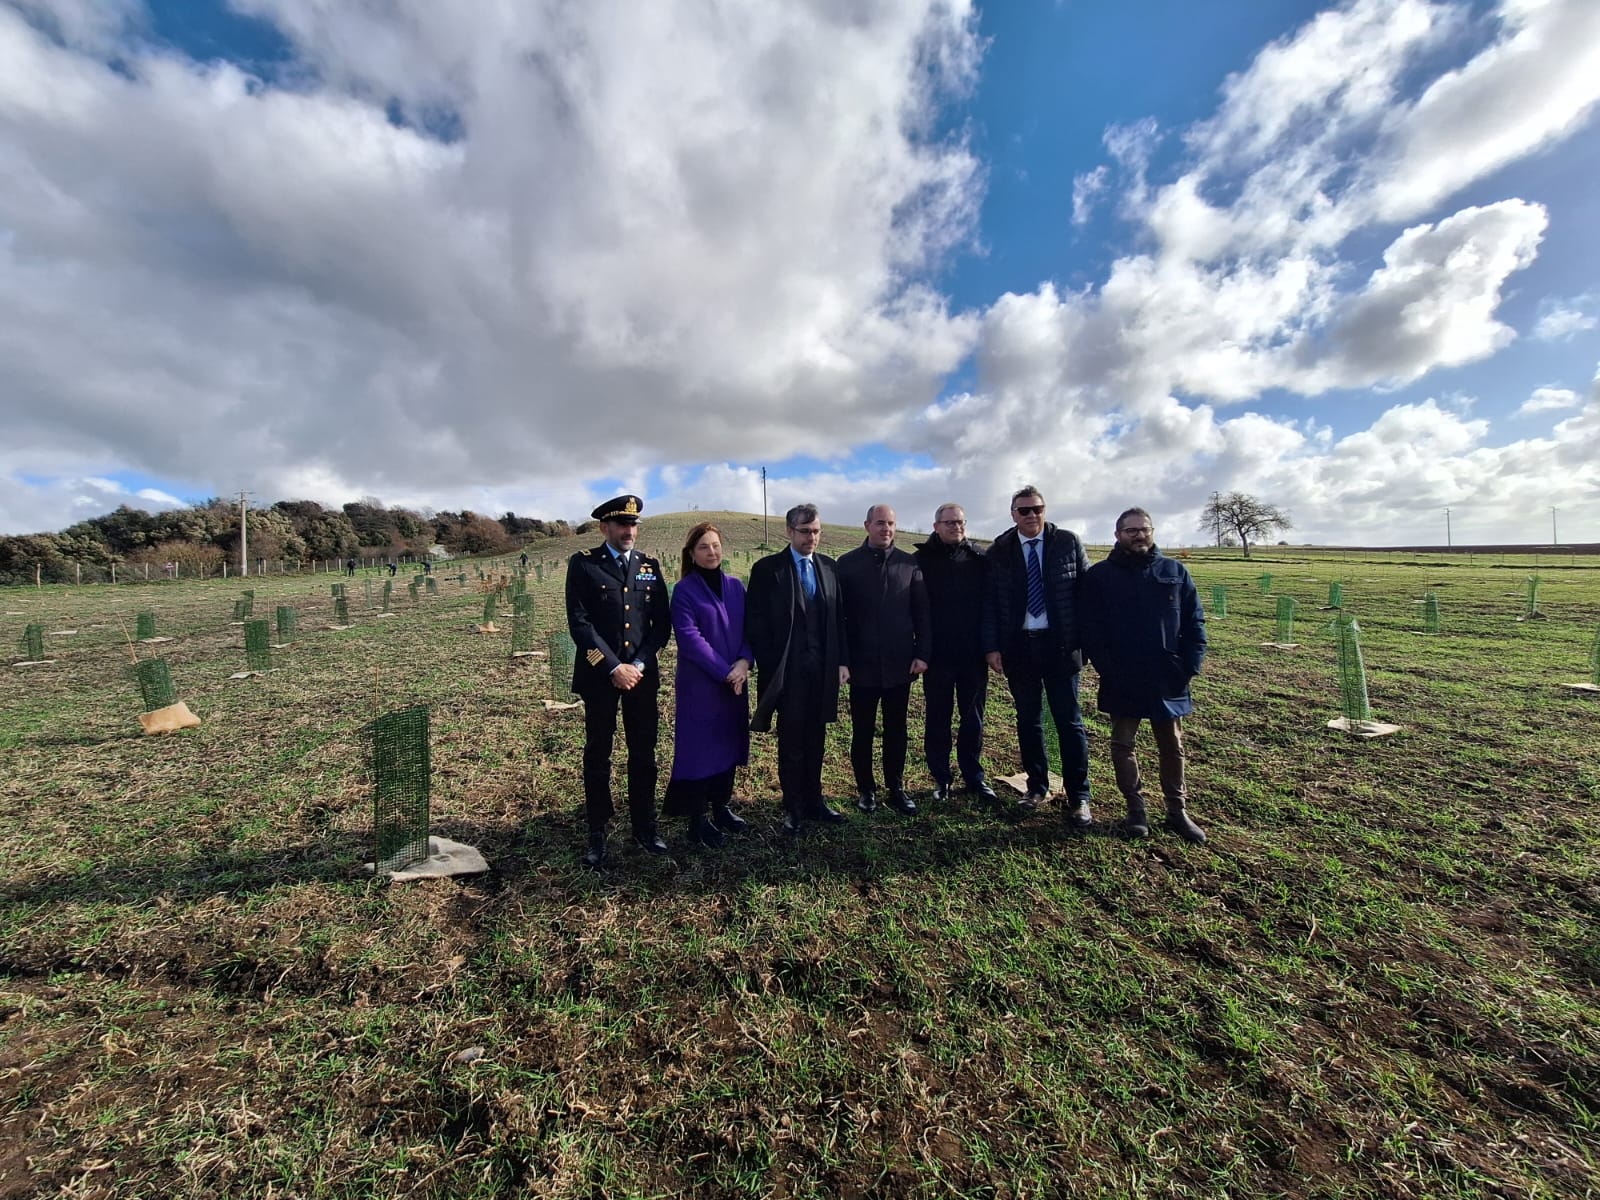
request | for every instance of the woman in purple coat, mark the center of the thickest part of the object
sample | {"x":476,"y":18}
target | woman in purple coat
{"x":711,"y":737}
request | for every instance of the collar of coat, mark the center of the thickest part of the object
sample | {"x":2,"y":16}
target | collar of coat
{"x":1131,"y":561}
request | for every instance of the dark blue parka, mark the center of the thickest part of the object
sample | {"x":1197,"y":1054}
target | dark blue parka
{"x":1145,"y":632}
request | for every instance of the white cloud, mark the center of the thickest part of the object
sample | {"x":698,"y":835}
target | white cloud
{"x":1548,"y":399}
{"x":1560,"y":320}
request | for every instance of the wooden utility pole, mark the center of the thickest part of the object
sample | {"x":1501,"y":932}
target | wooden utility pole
{"x":244,"y":536}
{"x":764,"y":543}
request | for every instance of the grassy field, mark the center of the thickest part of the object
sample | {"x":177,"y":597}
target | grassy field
{"x":1381,"y":976}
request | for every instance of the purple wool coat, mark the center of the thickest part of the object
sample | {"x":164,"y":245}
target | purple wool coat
{"x":711,"y":731}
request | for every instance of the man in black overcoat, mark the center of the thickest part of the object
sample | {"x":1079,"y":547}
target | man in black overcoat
{"x":618,"y":616}
{"x":791,"y":620}
{"x":889,"y":633}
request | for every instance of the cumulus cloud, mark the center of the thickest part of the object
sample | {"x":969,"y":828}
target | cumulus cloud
{"x":1548,"y":399}
{"x":1560,"y":320}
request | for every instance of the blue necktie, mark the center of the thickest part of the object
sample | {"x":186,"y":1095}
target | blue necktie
{"x":1035,"y":581}
{"x":806,"y":580}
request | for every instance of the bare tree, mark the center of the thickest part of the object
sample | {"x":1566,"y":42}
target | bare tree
{"x":1241,"y":513}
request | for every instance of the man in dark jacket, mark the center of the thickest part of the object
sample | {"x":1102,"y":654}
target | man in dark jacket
{"x":1030,"y":635}
{"x":619,"y":620}
{"x":1145,"y":633}
{"x":791,"y":620}
{"x":888,"y":632}
{"x":957,"y":679}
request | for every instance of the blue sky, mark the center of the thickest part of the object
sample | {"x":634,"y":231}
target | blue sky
{"x":519,"y":257}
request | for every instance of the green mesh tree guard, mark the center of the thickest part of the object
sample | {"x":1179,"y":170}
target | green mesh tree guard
{"x":1594,"y":659}
{"x":336,"y":590}
{"x":519,"y":586}
{"x":480,"y":573}
{"x":388,"y":594}
{"x":241,"y":609}
{"x":1336,"y":595}
{"x":522,"y":624}
{"x":145,"y":625}
{"x":538,"y":572}
{"x":1430,"y":613}
{"x":432,"y":585}
{"x":489,"y":603}
{"x":412,"y":588}
{"x":461,"y":579}
{"x":286,"y":623}
{"x":400,"y":761}
{"x":1265,"y":583}
{"x":562,"y":650}
{"x":1533,"y":598}
{"x":33,"y":643}
{"x":1219,"y":600}
{"x":155,"y":683}
{"x":341,"y":610}
{"x":249,"y":602}
{"x":368,"y":582}
{"x":257,"y":645}
{"x":1285,"y":631}
{"x":1352,"y":671}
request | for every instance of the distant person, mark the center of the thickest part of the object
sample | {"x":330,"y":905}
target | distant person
{"x":427,"y":566}
{"x":711,"y":734}
{"x":392,"y":568}
{"x":887,"y":634}
{"x":792,"y":624}
{"x":618,"y":617}
{"x":956,"y":685}
{"x":350,"y":567}
{"x":1145,"y":633}
{"x":1030,"y":635}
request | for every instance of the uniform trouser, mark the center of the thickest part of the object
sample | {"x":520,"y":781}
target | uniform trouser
{"x":951,"y":693}
{"x":802,"y":737}
{"x":864,"y":703}
{"x":641,"y":720}
{"x":1035,"y":676}
{"x":1168,"y":735}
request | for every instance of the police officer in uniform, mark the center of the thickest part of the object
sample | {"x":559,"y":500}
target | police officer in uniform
{"x":618,"y":615}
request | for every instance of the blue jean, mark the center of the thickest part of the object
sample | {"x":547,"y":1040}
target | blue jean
{"x":1035,"y":677}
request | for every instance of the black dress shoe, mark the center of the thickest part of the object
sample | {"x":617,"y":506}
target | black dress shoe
{"x":902,"y":803}
{"x":650,"y":842}
{"x":596,"y":853}
{"x":1033,"y":801}
{"x":703,"y":833}
{"x":941,"y":792}
{"x":867,"y":802}
{"x":793,"y":826}
{"x":985,"y":794}
{"x":826,"y":815}
{"x":727,"y":820}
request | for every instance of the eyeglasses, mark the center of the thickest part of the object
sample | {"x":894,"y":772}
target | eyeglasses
{"x":1028,"y":510}
{"x":950,"y":522}
{"x":1144,"y":529}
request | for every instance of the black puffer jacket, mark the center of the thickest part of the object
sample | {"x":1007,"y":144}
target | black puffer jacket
{"x":954,"y":577}
{"x":1005,"y":601}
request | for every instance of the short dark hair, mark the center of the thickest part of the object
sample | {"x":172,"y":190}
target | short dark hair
{"x":1134,"y":512}
{"x":1026,"y":489}
{"x":800,"y":514}
{"x":686,"y":559}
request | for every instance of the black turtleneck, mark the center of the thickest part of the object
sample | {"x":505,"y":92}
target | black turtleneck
{"x":712,"y":577}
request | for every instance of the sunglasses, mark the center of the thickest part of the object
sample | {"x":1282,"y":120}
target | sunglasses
{"x":1028,"y":510}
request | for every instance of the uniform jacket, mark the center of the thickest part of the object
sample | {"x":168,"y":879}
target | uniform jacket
{"x":614,"y":619}
{"x":954,"y":577}
{"x":886,"y":619}
{"x":770,"y":602}
{"x":1145,"y":632}
{"x":1005,"y":599}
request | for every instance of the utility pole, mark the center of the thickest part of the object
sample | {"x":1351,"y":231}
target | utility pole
{"x":1554,"y":541}
{"x":244,"y":546}
{"x":1447,"y":528}
{"x":764,"y":543}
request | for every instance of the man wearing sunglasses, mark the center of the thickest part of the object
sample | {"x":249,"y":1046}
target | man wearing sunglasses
{"x":1030,"y":635}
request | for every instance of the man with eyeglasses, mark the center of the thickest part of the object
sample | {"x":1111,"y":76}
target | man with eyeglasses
{"x":1145,"y":633}
{"x":1030,"y":635}
{"x":956,"y":684}
{"x":792,"y":622}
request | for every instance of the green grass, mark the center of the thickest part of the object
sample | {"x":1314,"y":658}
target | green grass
{"x":1379,"y":978}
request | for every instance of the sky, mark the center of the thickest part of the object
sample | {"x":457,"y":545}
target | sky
{"x":523,"y":257}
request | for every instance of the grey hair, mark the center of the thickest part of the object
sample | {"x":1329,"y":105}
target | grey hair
{"x":938,"y":513}
{"x":800,"y":514}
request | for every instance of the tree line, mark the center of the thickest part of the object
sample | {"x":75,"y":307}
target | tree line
{"x":201,"y":537}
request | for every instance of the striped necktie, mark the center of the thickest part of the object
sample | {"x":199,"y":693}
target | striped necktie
{"x":1035,"y":580}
